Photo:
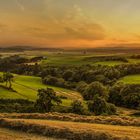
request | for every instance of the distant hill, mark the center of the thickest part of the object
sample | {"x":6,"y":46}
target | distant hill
{"x":125,"y":48}
{"x":26,"y":48}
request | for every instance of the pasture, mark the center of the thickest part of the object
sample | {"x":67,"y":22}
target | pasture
{"x":131,"y":79}
{"x":67,"y":59}
{"x":73,"y":59}
{"x":26,"y":88}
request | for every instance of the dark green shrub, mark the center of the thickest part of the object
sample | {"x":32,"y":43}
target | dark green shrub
{"x":95,"y":88}
{"x":100,"y":106}
{"x":77,"y":107}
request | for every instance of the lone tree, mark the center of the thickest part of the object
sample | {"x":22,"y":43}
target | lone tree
{"x":46,"y":100}
{"x":8,"y":78}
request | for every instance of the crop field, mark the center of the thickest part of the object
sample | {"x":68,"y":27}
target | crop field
{"x":73,"y":129}
{"x":7,"y":134}
{"x":121,"y":120}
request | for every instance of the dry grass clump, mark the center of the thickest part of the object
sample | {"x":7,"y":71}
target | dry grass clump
{"x":57,"y":131}
{"x":113,"y":120}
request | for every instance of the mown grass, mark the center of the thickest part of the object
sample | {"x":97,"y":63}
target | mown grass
{"x":131,"y":79}
{"x":6,"y":134}
{"x":112,"y":120}
{"x":72,"y":130}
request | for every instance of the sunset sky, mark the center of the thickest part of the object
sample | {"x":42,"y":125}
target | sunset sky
{"x":69,"y":23}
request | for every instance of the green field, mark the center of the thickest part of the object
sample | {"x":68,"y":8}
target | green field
{"x":73,"y":58}
{"x":26,"y":88}
{"x":65,"y":59}
{"x":109,"y":63}
{"x":80,"y":59}
{"x":131,"y":79}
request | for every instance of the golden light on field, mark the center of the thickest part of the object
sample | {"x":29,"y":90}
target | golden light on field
{"x":75,"y":23}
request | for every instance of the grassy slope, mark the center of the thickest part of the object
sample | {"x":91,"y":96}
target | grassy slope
{"x":27,"y":86}
{"x":131,"y":79}
{"x":4,"y":93}
{"x":121,"y":131}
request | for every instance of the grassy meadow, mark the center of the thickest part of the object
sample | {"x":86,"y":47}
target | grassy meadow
{"x":26,"y":87}
{"x":131,"y":79}
{"x":72,"y":59}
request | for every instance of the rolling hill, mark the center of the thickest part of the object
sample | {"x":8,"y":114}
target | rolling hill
{"x":26,"y":88}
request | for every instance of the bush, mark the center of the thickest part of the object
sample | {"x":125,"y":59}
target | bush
{"x":111,"y":109}
{"x":125,"y":95}
{"x":77,"y":107}
{"x":16,"y":105}
{"x":95,"y":88}
{"x":100,"y":106}
{"x":68,"y":75}
{"x":81,"y":86}
{"x":50,"y":80}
